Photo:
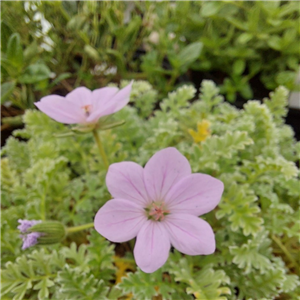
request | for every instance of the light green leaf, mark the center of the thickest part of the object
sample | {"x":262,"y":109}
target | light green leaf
{"x":239,"y":67}
{"x":6,"y":90}
{"x":210,"y":8}
{"x":14,"y":51}
{"x":189,"y":54}
{"x":35,"y":73}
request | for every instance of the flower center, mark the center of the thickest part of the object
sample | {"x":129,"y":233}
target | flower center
{"x":87,"y":109}
{"x":157,"y":211}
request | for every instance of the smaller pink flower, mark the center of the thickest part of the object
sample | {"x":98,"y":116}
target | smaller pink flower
{"x":83,"y":106}
{"x":160,"y":205}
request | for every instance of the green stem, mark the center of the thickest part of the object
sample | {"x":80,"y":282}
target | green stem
{"x":43,"y":204}
{"x":285,"y":251}
{"x":80,"y":227}
{"x":43,"y":209}
{"x":101,"y":149}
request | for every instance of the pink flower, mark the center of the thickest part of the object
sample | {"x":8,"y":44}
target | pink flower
{"x":83,"y":106}
{"x":159,"y":205}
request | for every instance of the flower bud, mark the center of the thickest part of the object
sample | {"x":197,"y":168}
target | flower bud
{"x":50,"y":232}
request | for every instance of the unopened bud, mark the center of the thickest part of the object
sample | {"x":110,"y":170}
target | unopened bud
{"x":50,"y":232}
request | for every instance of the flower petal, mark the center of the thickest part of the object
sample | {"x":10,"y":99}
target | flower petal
{"x":125,"y":180}
{"x":114,"y":101}
{"x":102,"y":96}
{"x":195,"y":194}
{"x":190,"y":235}
{"x":152,"y":247}
{"x":100,"y":101}
{"x":61,"y":109}
{"x":163,"y":170}
{"x":122,"y":97}
{"x":80,"y":97}
{"x":119,"y":220}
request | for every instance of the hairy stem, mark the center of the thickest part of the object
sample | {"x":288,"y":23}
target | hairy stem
{"x":285,"y":251}
{"x":101,"y":149}
{"x":79,"y":228}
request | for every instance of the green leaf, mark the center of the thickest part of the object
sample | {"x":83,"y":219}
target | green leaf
{"x":246,"y":91}
{"x":6,"y":90}
{"x":69,"y":7}
{"x":204,"y":284}
{"x":238,"y":204}
{"x":218,"y":147}
{"x":253,"y":19}
{"x":76,"y":22}
{"x":92,"y":52}
{"x":14,"y":51}
{"x":42,"y":287}
{"x":35,"y":73}
{"x":265,"y":285}
{"x":5,"y":35}
{"x":74,"y":284}
{"x":278,"y":103}
{"x":239,"y":67}
{"x":31,"y":51}
{"x":101,"y":254}
{"x":146,"y":286}
{"x":189,"y":54}
{"x":60,"y":77}
{"x":275,"y":42}
{"x":209,"y":9}
{"x":290,"y":283}
{"x":244,"y":38}
{"x":18,"y":154}
{"x":35,"y":269}
{"x":286,"y":78}
{"x":248,"y":256}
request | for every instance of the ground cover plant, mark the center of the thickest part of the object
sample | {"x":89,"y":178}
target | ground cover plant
{"x":51,"y":172}
{"x":247,"y":47}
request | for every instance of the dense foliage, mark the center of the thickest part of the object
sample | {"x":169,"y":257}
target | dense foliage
{"x":256,"y":223}
{"x":54,"y":46}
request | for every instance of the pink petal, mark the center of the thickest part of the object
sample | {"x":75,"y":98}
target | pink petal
{"x":152,"y":247}
{"x":195,"y":194}
{"x":101,"y":97}
{"x":112,"y":102}
{"x":119,"y":220}
{"x":122,"y":97}
{"x":60,"y":109}
{"x":163,"y":170}
{"x":80,"y":97}
{"x":190,"y":235}
{"x":100,"y":101}
{"x":125,"y":180}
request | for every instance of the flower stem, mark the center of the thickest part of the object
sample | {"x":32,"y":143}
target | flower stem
{"x":43,"y":203}
{"x":43,"y":209}
{"x":285,"y":251}
{"x":101,"y":149}
{"x":79,"y":228}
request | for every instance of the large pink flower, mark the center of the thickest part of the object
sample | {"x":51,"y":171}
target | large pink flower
{"x":83,"y":106}
{"x":159,"y":205}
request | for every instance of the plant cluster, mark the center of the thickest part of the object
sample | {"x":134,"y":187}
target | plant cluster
{"x":52,"y":46}
{"x":52,"y":173}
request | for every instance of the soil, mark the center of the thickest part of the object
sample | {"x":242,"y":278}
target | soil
{"x":7,"y":129}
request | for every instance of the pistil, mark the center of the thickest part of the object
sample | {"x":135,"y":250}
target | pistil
{"x":87,"y":109}
{"x":157,"y":211}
